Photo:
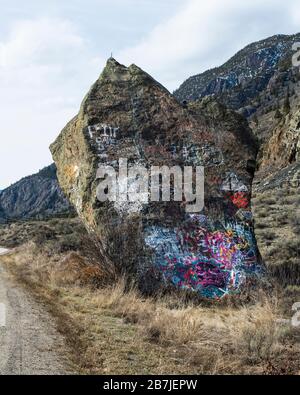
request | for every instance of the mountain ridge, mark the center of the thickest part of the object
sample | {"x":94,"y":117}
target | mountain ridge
{"x":37,"y":196}
{"x":239,"y":81}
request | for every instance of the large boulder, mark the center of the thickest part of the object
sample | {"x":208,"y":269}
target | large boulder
{"x":128,"y":115}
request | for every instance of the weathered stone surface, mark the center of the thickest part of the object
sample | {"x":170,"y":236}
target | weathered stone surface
{"x":127,"y":114}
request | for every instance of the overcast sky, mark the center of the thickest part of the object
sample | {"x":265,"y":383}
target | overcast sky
{"x":51,"y":51}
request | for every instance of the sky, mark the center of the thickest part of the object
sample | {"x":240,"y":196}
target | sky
{"x":51,"y":52}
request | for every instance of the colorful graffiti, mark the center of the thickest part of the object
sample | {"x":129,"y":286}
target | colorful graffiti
{"x":240,"y":199}
{"x":235,"y":191}
{"x":213,"y":262}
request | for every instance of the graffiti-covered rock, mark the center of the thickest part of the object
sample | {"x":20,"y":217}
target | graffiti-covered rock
{"x":128,"y":120}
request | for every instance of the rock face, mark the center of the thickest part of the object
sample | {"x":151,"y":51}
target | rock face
{"x":38,"y":196}
{"x":127,"y":114}
{"x":283,"y":148}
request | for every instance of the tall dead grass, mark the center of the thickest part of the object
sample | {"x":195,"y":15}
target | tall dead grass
{"x":218,"y":339}
{"x":211,"y":339}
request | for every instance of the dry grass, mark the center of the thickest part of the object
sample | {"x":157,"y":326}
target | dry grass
{"x":113,"y":329}
{"x":277,"y":214}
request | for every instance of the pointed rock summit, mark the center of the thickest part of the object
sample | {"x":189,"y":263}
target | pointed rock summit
{"x":129,"y":117}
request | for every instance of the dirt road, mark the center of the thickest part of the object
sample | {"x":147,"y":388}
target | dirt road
{"x":29,"y":341}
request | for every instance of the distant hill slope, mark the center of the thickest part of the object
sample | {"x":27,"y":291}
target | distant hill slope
{"x":249,"y":79}
{"x":37,"y":196}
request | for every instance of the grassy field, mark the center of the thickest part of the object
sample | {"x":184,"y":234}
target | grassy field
{"x":112,"y":329}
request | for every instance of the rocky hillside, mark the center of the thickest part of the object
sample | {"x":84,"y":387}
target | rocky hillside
{"x":276,"y":191}
{"x":38,"y":196}
{"x":127,"y":114}
{"x":250,"y":80}
{"x":261,"y":83}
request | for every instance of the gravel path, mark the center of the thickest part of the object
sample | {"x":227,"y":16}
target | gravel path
{"x":29,"y":341}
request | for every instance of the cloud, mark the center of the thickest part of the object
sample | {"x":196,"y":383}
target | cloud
{"x":48,"y":63}
{"x":38,"y":41}
{"x":205,"y":34}
{"x":46,"y":67}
